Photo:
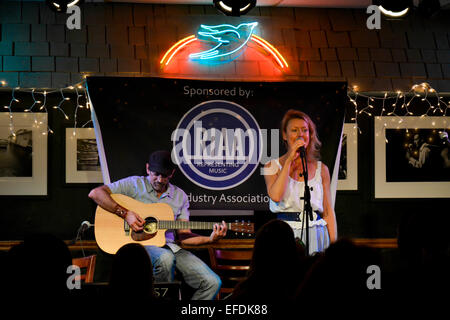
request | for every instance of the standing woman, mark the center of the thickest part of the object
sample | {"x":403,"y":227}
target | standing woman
{"x":285,"y":182}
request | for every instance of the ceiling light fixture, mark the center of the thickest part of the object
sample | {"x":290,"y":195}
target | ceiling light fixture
{"x":394,"y":9}
{"x":234,"y":7}
{"x":392,"y":14}
{"x":62,"y":5}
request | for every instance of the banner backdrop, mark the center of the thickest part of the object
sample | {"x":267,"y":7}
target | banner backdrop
{"x":220,"y":133}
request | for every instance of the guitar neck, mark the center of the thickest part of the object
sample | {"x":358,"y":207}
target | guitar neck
{"x":198,"y":225}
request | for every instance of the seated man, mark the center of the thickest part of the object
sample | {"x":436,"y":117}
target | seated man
{"x":156,"y":188}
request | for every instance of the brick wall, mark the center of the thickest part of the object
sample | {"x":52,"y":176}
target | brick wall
{"x":37,"y":50}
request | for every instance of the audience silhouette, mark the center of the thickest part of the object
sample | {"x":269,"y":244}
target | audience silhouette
{"x":37,"y":268}
{"x":425,"y":253}
{"x":279,"y":272}
{"x":276,"y":266}
{"x":132,"y":272}
{"x":342,"y":271}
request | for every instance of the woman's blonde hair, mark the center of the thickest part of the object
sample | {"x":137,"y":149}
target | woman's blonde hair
{"x":313,"y":149}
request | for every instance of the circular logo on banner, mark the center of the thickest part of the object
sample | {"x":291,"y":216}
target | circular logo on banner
{"x":217,"y":144}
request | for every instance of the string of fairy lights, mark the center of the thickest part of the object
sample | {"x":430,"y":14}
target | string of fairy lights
{"x":394,"y":104}
{"x":398,"y":104}
{"x":40,"y":105}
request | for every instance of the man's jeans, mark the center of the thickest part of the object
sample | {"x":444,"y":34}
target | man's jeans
{"x":193,"y":270}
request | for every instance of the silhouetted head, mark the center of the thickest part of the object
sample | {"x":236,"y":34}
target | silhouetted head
{"x":275,"y":249}
{"x":39,"y":266}
{"x":275,"y":269}
{"x":132,"y":271}
{"x":420,"y":244}
{"x":342,"y":269}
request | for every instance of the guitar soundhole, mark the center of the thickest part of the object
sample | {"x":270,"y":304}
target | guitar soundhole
{"x":149,"y":231}
{"x":150,"y":225}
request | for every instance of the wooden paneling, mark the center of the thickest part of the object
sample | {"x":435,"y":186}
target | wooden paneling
{"x":383,"y":243}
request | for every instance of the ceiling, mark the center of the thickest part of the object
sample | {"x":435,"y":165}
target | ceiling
{"x":278,"y":3}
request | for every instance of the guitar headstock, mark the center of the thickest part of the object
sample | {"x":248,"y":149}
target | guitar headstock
{"x":243,"y":227}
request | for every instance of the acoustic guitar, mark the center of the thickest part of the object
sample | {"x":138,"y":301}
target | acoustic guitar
{"x":112,"y":232}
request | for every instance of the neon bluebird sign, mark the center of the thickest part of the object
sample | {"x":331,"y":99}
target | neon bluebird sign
{"x":229,"y":39}
{"x":227,"y":42}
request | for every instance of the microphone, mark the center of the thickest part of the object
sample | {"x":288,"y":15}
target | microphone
{"x":85,"y":225}
{"x":301,"y":150}
{"x":81,"y":229}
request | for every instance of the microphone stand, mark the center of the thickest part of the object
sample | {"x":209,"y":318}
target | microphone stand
{"x":307,"y":209}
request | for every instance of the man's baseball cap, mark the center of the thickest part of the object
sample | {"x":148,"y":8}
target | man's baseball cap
{"x":161,"y":162}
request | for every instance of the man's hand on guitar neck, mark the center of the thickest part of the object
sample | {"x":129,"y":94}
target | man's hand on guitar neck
{"x":134,"y":220}
{"x":189,"y":238}
{"x":219,"y":231}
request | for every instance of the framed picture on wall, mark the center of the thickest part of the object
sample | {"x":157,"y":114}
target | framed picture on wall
{"x":82,"y":161}
{"x":412,"y":157}
{"x":348,"y":164}
{"x":23,"y":153}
